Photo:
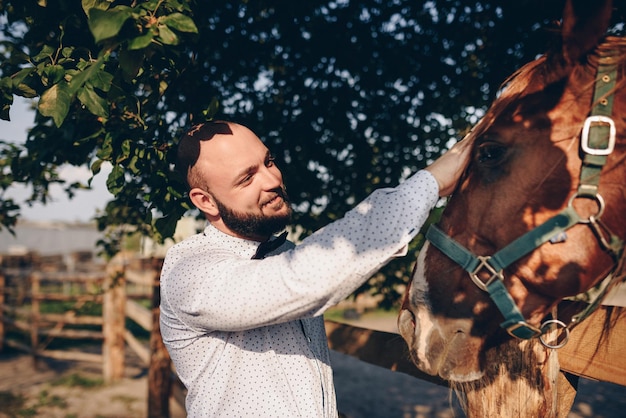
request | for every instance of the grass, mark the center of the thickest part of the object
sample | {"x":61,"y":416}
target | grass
{"x":77,"y":380}
{"x":11,"y":403}
{"x":15,"y":405}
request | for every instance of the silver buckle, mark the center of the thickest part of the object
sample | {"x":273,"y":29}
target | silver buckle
{"x":584,"y":141}
{"x":523,"y":324}
{"x":484,"y":263}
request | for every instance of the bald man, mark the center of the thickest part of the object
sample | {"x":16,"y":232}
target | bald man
{"x":243,"y":323}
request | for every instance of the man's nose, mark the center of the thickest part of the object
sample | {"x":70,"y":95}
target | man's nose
{"x":272,"y":178}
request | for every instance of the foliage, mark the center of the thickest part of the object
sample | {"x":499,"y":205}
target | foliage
{"x":350,"y":96}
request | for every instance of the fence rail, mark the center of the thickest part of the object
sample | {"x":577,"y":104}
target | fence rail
{"x":118,"y":289}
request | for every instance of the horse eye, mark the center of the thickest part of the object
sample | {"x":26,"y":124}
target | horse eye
{"x":490,"y":153}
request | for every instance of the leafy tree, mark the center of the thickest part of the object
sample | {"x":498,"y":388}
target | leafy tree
{"x":350,"y":95}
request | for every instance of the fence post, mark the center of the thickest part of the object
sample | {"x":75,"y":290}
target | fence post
{"x":35,"y":287}
{"x":160,"y":370}
{"x":114,"y":321}
{"x":1,"y":311}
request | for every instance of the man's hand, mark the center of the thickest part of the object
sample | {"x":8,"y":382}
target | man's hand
{"x":448,"y":168}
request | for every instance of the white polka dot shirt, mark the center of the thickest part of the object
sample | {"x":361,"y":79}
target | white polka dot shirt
{"x":247,"y":336}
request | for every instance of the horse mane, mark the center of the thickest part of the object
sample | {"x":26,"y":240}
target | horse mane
{"x":549,"y":68}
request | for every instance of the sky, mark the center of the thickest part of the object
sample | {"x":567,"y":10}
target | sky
{"x":82,"y":207}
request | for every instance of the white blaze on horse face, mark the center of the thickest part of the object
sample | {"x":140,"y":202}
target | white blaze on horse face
{"x":419,"y":299}
{"x":430,"y":333}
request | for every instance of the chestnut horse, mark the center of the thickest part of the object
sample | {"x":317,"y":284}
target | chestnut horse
{"x":538,"y":217}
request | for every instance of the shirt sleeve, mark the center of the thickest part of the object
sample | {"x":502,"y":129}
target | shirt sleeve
{"x":213,"y":291}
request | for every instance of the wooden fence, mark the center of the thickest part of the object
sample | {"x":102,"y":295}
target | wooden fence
{"x":120,"y":287}
{"x":121,"y":291}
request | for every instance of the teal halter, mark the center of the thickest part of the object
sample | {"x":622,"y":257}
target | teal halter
{"x":597,"y":143}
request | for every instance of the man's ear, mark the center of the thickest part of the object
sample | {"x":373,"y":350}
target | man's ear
{"x":204,"y":201}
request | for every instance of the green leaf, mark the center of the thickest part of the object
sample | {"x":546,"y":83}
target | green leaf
{"x":106,"y":149}
{"x":25,"y":90}
{"x":167,"y":36}
{"x":179,"y":22}
{"x":95,"y":4}
{"x":142,"y":41}
{"x":115,"y":182}
{"x":130,"y":63}
{"x":101,"y":80}
{"x":107,"y":24}
{"x":67,"y":52}
{"x":96,"y":166}
{"x":211,"y":110}
{"x":55,"y":103}
{"x":125,"y":152}
{"x":94,"y":103}
{"x":80,"y":78}
{"x":132,"y":165}
{"x":5,"y":112}
{"x":166,"y":226}
{"x":52,"y":74}
{"x":21,"y":75}
{"x":18,"y":57}
{"x":46,"y":52}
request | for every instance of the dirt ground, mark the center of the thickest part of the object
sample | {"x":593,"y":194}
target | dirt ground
{"x":59,"y":389}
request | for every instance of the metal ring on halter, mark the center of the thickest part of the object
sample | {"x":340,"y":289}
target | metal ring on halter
{"x":599,"y":200}
{"x":558,"y":324}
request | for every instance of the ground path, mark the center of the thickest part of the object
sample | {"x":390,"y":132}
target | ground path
{"x":363,"y":390}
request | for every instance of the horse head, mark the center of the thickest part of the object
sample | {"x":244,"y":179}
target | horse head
{"x":538,"y":216}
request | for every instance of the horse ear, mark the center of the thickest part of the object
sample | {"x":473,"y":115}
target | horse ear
{"x":584,"y":23}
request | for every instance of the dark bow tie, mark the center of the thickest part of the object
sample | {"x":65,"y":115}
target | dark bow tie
{"x":269,"y":246}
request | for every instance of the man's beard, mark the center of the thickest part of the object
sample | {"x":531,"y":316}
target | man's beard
{"x":249,"y":225}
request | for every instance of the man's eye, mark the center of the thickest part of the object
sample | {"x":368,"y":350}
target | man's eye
{"x":270,"y":161}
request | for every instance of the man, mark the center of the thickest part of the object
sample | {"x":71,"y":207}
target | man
{"x":246,"y":333}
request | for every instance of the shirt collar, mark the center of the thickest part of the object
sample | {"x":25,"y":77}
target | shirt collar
{"x":242,"y":247}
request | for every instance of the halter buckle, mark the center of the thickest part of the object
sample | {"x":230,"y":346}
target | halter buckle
{"x":484,"y":263}
{"x":584,"y":140}
{"x":560,"y":339}
{"x":523,"y":330}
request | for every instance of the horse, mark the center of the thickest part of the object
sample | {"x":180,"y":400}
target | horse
{"x":536,"y":220}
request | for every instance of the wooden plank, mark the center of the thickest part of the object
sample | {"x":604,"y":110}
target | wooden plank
{"x":581,"y":356}
{"x":584,"y":356}
{"x":72,"y":320}
{"x":18,"y":345}
{"x":59,"y":297}
{"x":71,"y":355}
{"x":16,"y":311}
{"x":142,"y":351}
{"x":383,"y":349}
{"x":143,"y":277}
{"x":160,"y":370}
{"x":114,"y":316}
{"x":18,"y":324}
{"x":1,"y":311}
{"x":72,"y":277}
{"x":77,"y":334}
{"x":142,"y":316}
